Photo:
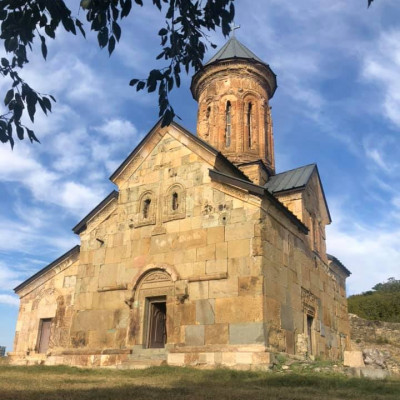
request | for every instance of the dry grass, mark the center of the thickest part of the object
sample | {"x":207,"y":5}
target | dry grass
{"x":64,"y":383}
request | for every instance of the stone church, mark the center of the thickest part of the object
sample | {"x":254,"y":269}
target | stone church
{"x":204,"y":255}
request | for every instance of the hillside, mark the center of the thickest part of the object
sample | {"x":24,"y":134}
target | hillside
{"x":382,"y":303}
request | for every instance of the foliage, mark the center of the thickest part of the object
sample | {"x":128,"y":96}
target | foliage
{"x":26,"y":22}
{"x":382,"y":303}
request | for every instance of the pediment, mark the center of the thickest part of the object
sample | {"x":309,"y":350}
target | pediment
{"x":155,"y":138}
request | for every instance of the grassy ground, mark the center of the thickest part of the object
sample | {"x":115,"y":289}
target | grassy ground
{"x":65,"y":383}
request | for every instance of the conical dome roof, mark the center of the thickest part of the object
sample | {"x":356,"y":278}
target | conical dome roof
{"x":233,"y":49}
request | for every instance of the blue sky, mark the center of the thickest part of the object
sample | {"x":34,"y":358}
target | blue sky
{"x":337,"y":104}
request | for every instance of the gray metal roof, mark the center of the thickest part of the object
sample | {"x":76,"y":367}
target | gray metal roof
{"x":293,"y":179}
{"x":338,"y":263}
{"x":233,"y":49}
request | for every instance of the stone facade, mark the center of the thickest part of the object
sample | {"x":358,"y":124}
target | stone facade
{"x":193,"y":261}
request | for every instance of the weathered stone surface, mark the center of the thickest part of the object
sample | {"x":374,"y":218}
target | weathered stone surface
{"x":242,"y":309}
{"x":246,"y":333}
{"x":194,"y":335}
{"x":205,"y":312}
{"x":217,"y":334}
{"x":353,"y":359}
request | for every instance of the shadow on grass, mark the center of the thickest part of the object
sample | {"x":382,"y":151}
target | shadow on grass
{"x":186,"y":383}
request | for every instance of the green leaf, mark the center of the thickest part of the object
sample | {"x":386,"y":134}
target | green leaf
{"x":4,"y":62}
{"x":85,"y":4}
{"x":20,"y":132}
{"x":102,"y":37}
{"x":47,"y":103}
{"x":9,"y":96}
{"x":126,"y":8}
{"x":162,"y":32}
{"x":133,"y":82}
{"x":31,"y":100}
{"x":116,"y":30}
{"x":111,"y":45}
{"x":31,"y":135}
{"x":44,"y":47}
{"x":80,"y":27}
{"x":140,"y":85}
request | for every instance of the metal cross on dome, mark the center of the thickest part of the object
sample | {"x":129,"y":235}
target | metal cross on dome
{"x":233,"y":28}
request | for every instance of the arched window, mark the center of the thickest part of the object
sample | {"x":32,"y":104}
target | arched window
{"x":175,"y":204}
{"x":146,"y":208}
{"x":147,"y":205}
{"x":228,"y":124}
{"x":249,"y":123}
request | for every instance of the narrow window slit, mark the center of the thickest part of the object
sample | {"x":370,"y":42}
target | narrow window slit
{"x":228,"y":122}
{"x":249,"y":125}
{"x":175,"y":204}
{"x":146,"y":208}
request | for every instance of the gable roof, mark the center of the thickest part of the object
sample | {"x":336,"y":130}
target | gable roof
{"x":293,"y":179}
{"x":260,"y":191}
{"x":187,"y":133}
{"x":339,"y":264}
{"x":81,"y":226}
{"x":60,"y":259}
{"x":234,"y":49}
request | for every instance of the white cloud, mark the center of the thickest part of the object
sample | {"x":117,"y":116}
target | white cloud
{"x":382,"y":67}
{"x":370,"y":251}
{"x":9,"y":300}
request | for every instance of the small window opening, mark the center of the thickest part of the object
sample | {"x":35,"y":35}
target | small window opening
{"x":175,"y":204}
{"x":228,"y":122}
{"x":249,"y":121}
{"x":146,"y":208}
{"x":208,"y":112}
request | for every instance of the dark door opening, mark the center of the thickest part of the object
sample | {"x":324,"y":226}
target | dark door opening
{"x":310,"y":320}
{"x":156,"y":323}
{"x":44,"y":335}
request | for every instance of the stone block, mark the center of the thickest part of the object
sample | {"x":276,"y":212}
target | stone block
{"x":205,"y":312}
{"x":177,"y":359}
{"x":263,"y":358}
{"x":250,"y":285}
{"x":215,"y":234}
{"x":194,"y":335}
{"x":244,"y":358}
{"x":206,"y":253}
{"x":223,"y":288}
{"x":353,"y":359}
{"x":187,"y":313}
{"x":216,"y":266}
{"x":239,"y":309}
{"x":221,"y":250}
{"x":241,"y":230}
{"x":239,"y":248}
{"x":287,"y":317}
{"x":246,"y":333}
{"x":228,"y":358}
{"x":198,"y":290}
{"x":217,"y":334}
{"x":108,"y":275}
{"x":207,"y":358}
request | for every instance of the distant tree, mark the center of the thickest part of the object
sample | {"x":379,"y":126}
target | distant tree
{"x":24,"y":22}
{"x":383,"y":303}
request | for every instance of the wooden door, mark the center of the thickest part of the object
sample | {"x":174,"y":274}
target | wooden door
{"x":157,"y":334}
{"x":44,"y":338}
{"x":310,"y":320}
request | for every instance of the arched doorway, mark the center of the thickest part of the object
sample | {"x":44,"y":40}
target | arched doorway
{"x":151,"y":308}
